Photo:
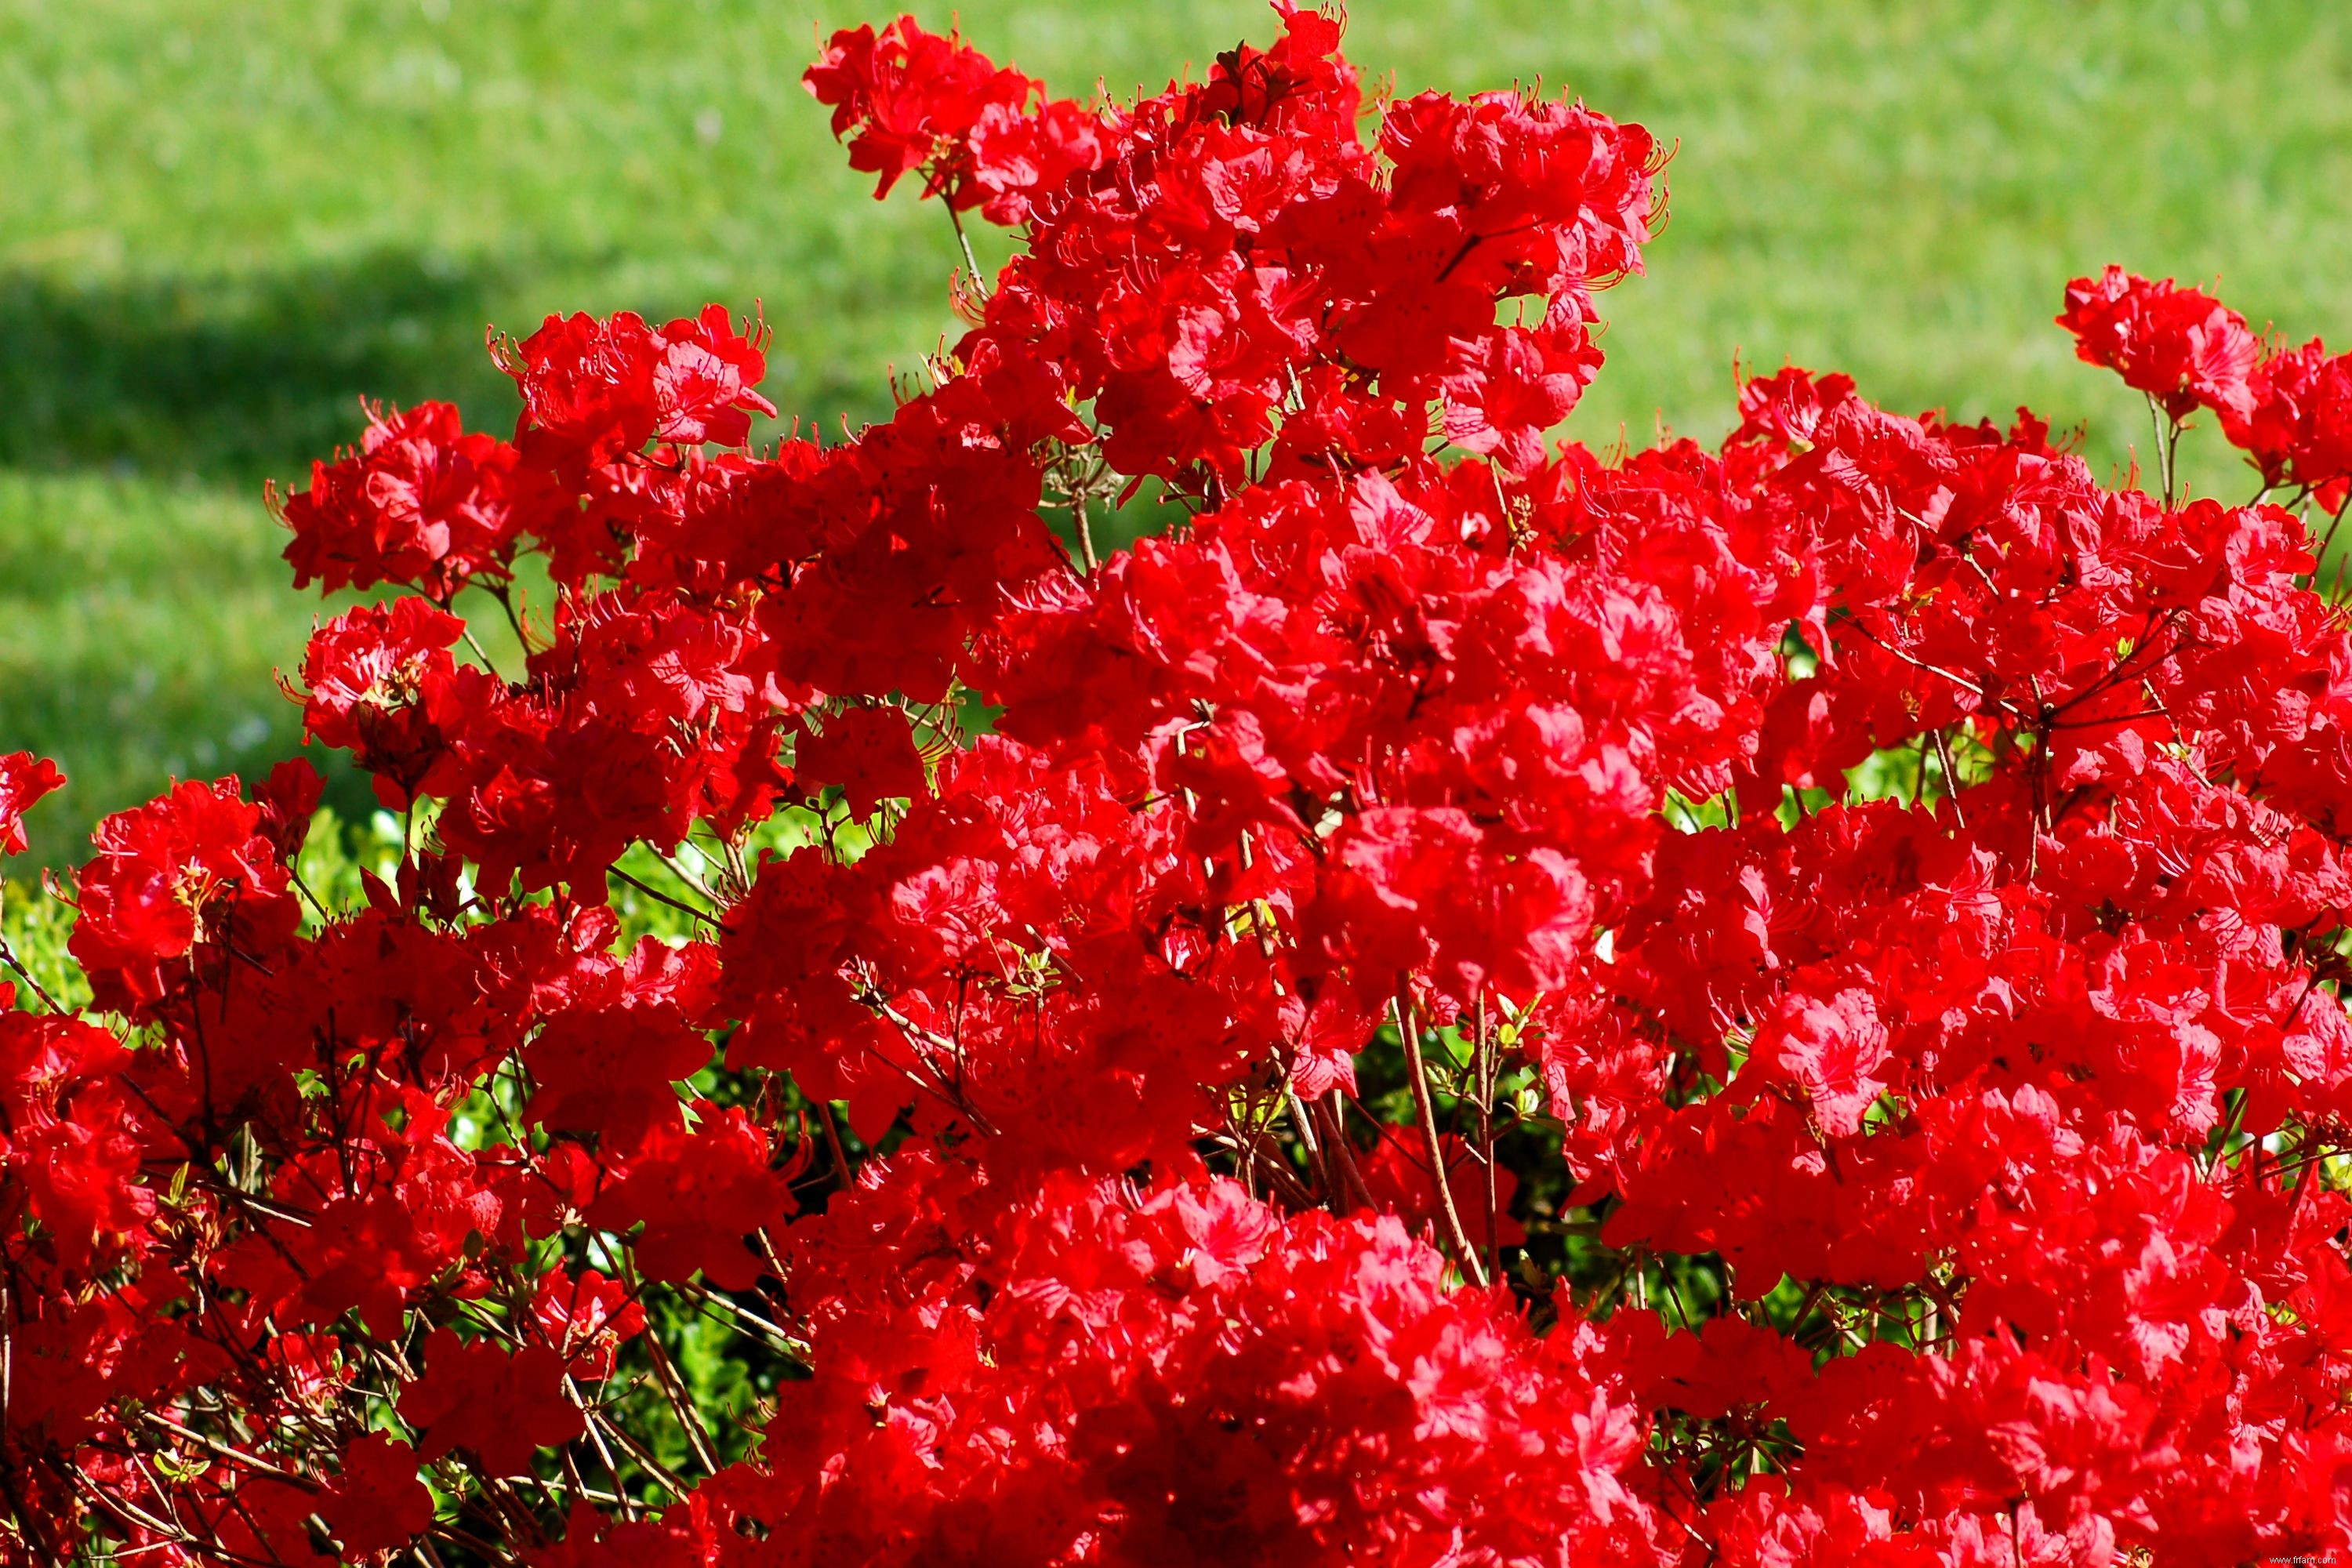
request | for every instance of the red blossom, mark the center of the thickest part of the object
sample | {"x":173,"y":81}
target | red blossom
{"x":2181,"y":346}
{"x":597,"y":390}
{"x":701,"y":1191}
{"x":1868,"y":900}
{"x":24,"y":780}
{"x":187,"y":868}
{"x":376,"y":1502}
{"x":499,"y":1406}
{"x":905,"y":100}
{"x":2298,"y":429}
{"x":420,"y":501}
{"x":867,"y":752}
{"x":585,"y":1318}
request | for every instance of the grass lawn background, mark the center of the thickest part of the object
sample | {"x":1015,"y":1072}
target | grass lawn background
{"x":223,"y":221}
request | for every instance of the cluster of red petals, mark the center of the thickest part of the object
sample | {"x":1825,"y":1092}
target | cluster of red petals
{"x":980,"y":135}
{"x":198,"y":866}
{"x":595,"y":390}
{"x":2181,"y":346}
{"x":1476,"y":1003}
{"x":1238,"y":272}
{"x":24,"y":780}
{"x":2298,"y":430}
{"x":418,"y":502}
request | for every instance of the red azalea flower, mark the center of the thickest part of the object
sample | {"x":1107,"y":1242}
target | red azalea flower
{"x":24,"y":780}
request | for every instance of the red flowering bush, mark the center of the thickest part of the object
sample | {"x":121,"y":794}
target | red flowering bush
{"x":1471,"y":1003}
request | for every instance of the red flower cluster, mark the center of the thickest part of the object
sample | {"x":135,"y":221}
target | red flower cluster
{"x":420,"y":502}
{"x":24,"y":780}
{"x":980,"y":135}
{"x":2181,"y":346}
{"x":2299,"y":430}
{"x":1476,"y":1003}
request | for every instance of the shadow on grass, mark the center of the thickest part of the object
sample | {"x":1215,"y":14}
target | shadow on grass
{"x":146,"y":609}
{"x":144,"y":612}
{"x":234,"y":377}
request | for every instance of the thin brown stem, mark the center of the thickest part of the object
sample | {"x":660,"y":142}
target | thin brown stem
{"x":8,"y":956}
{"x":216,"y":1448}
{"x":659,"y":897}
{"x":1337,"y":1142}
{"x":673,"y":1388}
{"x":1484,"y":1076}
{"x":2163,"y":444}
{"x":1316,"y":1163}
{"x":964,"y":242}
{"x":1425,"y":1109}
{"x":641,"y":1454}
{"x":1085,"y":531}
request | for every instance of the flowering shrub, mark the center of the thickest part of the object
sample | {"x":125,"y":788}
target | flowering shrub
{"x":1471,"y":1002}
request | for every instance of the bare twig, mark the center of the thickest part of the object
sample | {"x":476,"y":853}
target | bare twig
{"x":8,"y":956}
{"x":1425,"y":1109}
{"x":659,"y":897}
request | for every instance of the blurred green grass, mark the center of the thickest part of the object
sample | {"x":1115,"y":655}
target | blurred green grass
{"x":224,"y":221}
